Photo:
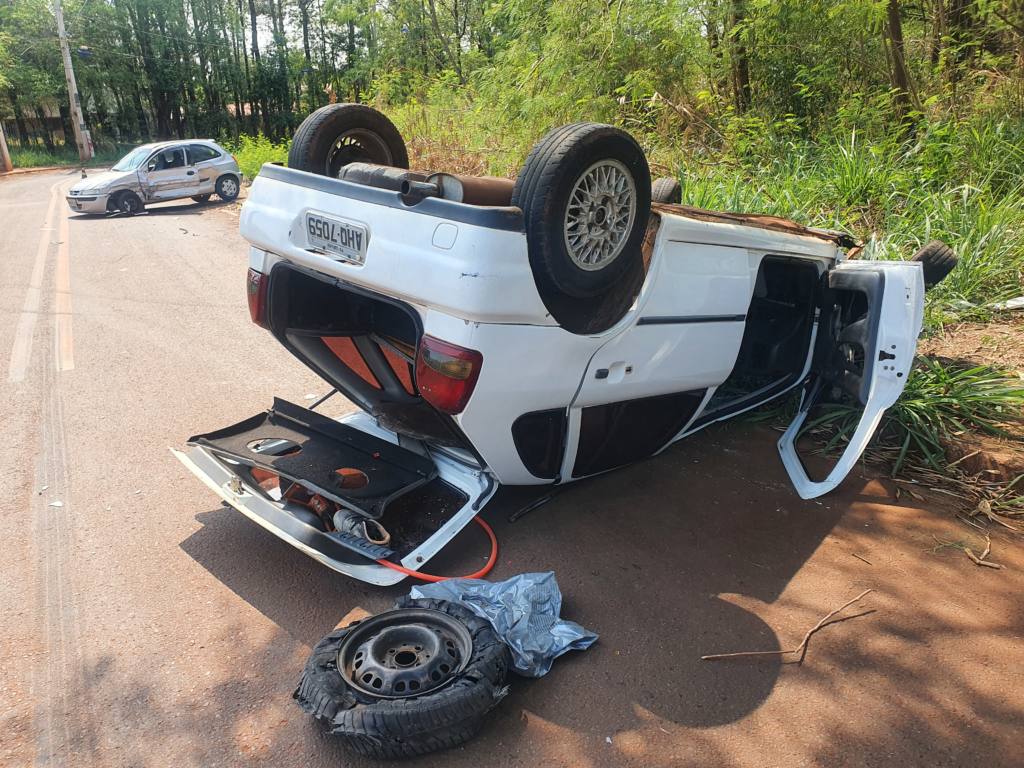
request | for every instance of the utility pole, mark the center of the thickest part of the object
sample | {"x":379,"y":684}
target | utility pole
{"x":82,"y":138}
{"x":5,"y":156}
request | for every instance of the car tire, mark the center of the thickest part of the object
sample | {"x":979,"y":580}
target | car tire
{"x":388,"y":725}
{"x":201,"y":198}
{"x":128,"y":202}
{"x":227,"y":187}
{"x":339,"y":134}
{"x":937,"y":260}
{"x":666,"y":190}
{"x":581,"y":239}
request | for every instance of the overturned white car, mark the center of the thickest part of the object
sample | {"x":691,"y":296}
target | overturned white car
{"x":535,"y":332}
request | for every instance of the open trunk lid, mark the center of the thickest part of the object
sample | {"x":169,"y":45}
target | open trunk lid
{"x":290,"y":468}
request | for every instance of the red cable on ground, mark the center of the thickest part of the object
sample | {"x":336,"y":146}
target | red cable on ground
{"x":478,"y":575}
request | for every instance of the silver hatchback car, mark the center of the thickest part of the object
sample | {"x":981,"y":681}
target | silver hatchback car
{"x":167,"y":170}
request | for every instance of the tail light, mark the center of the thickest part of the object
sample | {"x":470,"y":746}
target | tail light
{"x":446,"y":374}
{"x":256,"y":292}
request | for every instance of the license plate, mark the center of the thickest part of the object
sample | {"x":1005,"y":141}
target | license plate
{"x":344,"y":239}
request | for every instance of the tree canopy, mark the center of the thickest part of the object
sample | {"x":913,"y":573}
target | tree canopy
{"x":160,"y":68}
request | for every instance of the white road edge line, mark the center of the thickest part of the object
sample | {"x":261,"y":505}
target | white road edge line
{"x":21,"y":352}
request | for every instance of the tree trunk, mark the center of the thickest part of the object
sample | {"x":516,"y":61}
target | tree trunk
{"x":260,"y":83}
{"x":140,"y":115}
{"x":959,"y":31}
{"x":47,"y":136}
{"x":741,"y":62}
{"x":19,"y":118}
{"x":66,"y":126}
{"x":311,"y":95}
{"x":900,"y":77}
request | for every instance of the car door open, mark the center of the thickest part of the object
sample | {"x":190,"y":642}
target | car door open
{"x":870,"y":314}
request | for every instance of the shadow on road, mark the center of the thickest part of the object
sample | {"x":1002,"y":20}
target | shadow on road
{"x":177,"y":208}
{"x":667,"y":560}
{"x":642,"y":556}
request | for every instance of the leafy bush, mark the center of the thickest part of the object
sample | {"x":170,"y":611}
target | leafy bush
{"x":252,"y":152}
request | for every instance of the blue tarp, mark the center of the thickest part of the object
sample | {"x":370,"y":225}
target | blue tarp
{"x":523,"y":610}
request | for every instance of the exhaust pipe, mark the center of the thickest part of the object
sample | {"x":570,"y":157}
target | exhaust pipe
{"x":474,"y":190}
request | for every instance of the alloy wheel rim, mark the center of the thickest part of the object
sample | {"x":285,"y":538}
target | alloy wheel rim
{"x":600,"y":214}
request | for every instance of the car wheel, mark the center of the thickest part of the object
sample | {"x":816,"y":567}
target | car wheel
{"x":129,"y":202}
{"x":205,"y":198}
{"x":408,"y":681}
{"x":339,"y":134}
{"x":666,"y":190}
{"x":585,"y":193}
{"x":227,"y":187}
{"x":937,"y":260}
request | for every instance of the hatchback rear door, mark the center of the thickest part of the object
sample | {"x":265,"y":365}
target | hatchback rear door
{"x":870,"y":315}
{"x":289,"y":468}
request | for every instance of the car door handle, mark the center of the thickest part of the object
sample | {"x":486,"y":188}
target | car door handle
{"x":190,"y":173}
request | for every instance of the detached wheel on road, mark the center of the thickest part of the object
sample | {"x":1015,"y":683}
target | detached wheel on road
{"x":585,"y":193}
{"x":128,"y":202}
{"x":227,"y":188}
{"x":408,"y":681}
{"x":339,"y":134}
{"x":203,"y":198}
{"x":937,"y":260}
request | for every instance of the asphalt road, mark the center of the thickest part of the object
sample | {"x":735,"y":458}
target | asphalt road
{"x":145,"y":625}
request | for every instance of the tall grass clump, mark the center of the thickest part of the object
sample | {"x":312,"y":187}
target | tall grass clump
{"x":940,"y":403}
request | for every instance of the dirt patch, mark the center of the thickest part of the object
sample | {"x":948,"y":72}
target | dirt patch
{"x":994,"y":459}
{"x":999,"y":344}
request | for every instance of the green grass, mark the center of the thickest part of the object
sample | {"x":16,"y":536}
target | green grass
{"x":939,"y":404}
{"x":40,"y":157}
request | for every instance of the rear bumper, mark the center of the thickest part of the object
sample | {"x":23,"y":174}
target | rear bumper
{"x":88,"y":203}
{"x":468,"y":261}
{"x":239,"y":492}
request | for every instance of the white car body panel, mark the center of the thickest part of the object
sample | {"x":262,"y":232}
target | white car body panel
{"x":479,"y":277}
{"x":469,"y":282}
{"x":902,"y":317}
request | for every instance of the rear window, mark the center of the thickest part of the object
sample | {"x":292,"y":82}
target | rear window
{"x":199,"y":153}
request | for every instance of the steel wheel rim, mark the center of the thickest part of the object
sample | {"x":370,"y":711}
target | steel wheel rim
{"x":357,"y":146}
{"x":404,"y":653}
{"x":600,"y":214}
{"x":230,"y":187}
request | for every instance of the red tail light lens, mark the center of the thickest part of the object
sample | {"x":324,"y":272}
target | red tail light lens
{"x":446,"y":374}
{"x":256,"y":292}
